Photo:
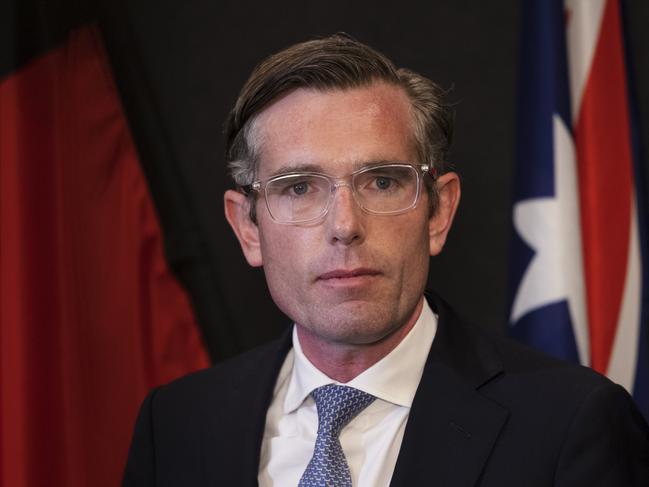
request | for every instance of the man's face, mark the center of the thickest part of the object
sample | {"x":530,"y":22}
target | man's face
{"x":352,"y":277}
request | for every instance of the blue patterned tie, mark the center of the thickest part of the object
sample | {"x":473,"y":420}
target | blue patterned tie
{"x":337,"y":406}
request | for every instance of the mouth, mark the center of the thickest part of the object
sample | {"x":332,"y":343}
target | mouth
{"x":348,"y":276}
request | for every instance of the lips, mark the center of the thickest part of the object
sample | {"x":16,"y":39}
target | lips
{"x":342,"y":274}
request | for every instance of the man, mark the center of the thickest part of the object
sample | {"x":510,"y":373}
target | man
{"x":343,"y":196}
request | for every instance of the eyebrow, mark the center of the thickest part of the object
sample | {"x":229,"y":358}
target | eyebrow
{"x":356,"y":165}
{"x":291,"y":168}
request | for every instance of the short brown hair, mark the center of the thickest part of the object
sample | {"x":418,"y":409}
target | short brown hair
{"x":334,"y":62}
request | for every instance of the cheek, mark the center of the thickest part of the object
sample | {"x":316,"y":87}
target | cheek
{"x":285,"y":262}
{"x":413,"y":251}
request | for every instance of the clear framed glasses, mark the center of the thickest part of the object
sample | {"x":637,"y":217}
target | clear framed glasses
{"x":304,"y":197}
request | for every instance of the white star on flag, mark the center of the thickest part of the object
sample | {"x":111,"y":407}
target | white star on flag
{"x":550,"y":226}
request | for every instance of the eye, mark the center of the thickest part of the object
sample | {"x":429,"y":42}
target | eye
{"x":300,"y":188}
{"x":294,"y":187}
{"x":383,"y":182}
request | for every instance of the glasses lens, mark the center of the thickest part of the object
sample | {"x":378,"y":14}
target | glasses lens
{"x":297,"y":198}
{"x":387,"y":189}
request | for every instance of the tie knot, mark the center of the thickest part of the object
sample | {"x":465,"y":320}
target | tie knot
{"x":338,"y":405}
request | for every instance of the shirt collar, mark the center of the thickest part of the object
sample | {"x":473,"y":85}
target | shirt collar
{"x":394,"y":378}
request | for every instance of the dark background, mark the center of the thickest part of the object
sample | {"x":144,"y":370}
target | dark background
{"x":179,"y":66}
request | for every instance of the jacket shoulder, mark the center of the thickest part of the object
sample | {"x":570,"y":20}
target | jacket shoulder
{"x":253,"y":368}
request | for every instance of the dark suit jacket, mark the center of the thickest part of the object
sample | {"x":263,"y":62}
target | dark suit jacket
{"x":488,"y":412}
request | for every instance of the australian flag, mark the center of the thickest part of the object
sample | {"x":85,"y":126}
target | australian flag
{"x":580,"y":280}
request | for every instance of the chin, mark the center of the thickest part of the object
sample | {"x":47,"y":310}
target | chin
{"x":355,"y":328}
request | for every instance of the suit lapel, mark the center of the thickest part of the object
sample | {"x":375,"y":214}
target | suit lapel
{"x":452,"y":428}
{"x":236,"y":434}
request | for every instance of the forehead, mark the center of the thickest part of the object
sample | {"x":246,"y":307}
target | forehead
{"x":335,"y":130}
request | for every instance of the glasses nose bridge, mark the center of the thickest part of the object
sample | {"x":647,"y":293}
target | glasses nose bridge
{"x":341,"y":182}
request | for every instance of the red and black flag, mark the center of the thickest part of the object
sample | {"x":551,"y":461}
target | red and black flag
{"x":91,"y":316}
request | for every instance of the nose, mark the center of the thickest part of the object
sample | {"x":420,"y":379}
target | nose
{"x":345,"y":219}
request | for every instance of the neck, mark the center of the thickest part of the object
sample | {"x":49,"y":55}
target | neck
{"x":342,"y":361}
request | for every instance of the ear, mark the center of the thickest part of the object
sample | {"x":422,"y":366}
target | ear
{"x":439,"y":224}
{"x":237,"y":212}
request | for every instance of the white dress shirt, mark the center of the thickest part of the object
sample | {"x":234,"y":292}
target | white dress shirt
{"x":372,"y":440}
